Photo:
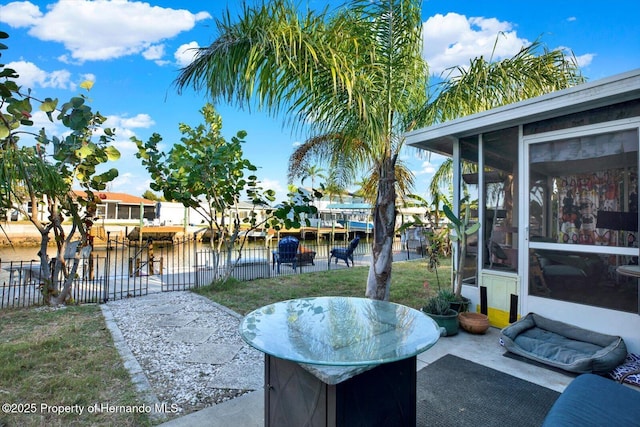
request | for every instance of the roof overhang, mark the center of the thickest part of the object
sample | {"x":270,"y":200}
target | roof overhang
{"x":600,"y":93}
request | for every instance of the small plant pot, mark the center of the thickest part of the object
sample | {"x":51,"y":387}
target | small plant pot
{"x":475,"y":323}
{"x":448,"y":321}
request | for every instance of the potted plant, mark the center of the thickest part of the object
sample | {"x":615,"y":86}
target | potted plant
{"x":458,"y":304}
{"x":461,"y":229}
{"x":438,"y":309}
{"x":447,"y":319}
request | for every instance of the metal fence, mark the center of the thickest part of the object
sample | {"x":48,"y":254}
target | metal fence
{"x":124,"y":268}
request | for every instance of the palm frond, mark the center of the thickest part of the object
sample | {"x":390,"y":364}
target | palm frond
{"x":485,"y":84}
{"x":351,"y":76}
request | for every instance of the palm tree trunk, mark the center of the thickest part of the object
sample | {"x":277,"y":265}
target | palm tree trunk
{"x":379,"y":279}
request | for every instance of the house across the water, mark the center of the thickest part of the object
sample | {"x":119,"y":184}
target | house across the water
{"x":123,"y":207}
{"x":557,"y":177}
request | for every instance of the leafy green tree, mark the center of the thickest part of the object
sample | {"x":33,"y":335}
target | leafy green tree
{"x":356,"y":78}
{"x":207,"y":173}
{"x":43,"y":174}
{"x":150,"y":195}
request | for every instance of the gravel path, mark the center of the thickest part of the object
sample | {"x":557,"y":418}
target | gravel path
{"x":189,"y":348}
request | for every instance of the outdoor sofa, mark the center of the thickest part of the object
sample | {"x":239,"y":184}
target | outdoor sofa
{"x":563,"y":346}
{"x":591,"y":400}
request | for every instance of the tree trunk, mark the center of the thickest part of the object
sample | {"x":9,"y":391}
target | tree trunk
{"x":379,"y":279}
{"x":64,"y":291}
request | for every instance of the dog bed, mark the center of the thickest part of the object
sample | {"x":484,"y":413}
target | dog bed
{"x":563,"y":346}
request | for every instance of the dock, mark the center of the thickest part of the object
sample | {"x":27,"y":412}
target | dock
{"x":308,"y":233}
{"x":303,"y":233}
{"x":157,"y":234}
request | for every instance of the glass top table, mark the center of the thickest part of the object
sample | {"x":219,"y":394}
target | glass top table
{"x":339,"y":331}
{"x":629,"y":270}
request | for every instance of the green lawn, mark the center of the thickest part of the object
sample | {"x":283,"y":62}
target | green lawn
{"x":407,"y":286}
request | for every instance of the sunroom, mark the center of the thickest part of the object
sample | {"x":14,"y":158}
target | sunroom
{"x":553,"y":182}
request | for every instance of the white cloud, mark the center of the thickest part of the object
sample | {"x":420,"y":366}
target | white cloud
{"x":275,"y":185}
{"x":123,"y":180}
{"x":125,"y":129}
{"x":40,"y":120}
{"x":141,"y":120}
{"x":572,"y":19}
{"x":272,"y":184}
{"x":88,"y":76}
{"x":581,"y":60}
{"x":101,"y":30}
{"x":125,"y":146}
{"x":185,"y":54}
{"x":425,"y":168}
{"x":31,"y":76}
{"x":154,"y":52}
{"x":129,"y":183}
{"x":20,"y":14}
{"x":585,"y":60}
{"x":453,"y":39}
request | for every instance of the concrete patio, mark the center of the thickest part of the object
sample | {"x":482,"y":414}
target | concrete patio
{"x":248,"y":410}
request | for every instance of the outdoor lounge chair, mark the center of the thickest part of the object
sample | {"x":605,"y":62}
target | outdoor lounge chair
{"x":287,"y":253}
{"x":345,"y":254}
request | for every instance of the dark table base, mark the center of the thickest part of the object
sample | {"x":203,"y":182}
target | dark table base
{"x":382,"y":396}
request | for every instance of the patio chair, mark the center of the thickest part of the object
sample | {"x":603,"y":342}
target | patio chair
{"x":287,"y":253}
{"x":345,"y":254}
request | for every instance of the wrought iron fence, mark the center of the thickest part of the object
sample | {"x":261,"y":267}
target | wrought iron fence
{"x":124,"y":268}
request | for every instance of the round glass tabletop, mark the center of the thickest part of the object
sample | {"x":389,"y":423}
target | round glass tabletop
{"x":629,"y":270}
{"x":339,"y":331}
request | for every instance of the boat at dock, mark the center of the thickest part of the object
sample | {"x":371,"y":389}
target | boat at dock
{"x":358,"y":226}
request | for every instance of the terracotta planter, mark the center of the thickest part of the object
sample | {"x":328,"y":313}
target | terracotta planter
{"x":475,"y":323}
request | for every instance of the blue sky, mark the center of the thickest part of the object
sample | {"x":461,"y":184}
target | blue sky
{"x":133,"y":50}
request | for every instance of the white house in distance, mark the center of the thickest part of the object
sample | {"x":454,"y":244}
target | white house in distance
{"x":558,"y":204}
{"x":123,"y":207}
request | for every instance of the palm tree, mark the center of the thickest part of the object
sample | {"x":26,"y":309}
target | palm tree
{"x":319,"y":149}
{"x":312,"y":172}
{"x":362,"y":191}
{"x":356,"y":78}
{"x":333,"y":188}
{"x":353,"y":77}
